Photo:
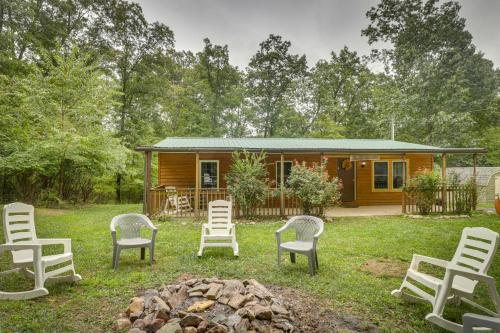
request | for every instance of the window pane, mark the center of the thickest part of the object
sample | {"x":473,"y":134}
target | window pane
{"x":381,"y":175}
{"x":398,"y":174}
{"x":287,"y":171}
{"x":381,"y":182}
{"x":381,"y":168}
{"x":208,"y":174}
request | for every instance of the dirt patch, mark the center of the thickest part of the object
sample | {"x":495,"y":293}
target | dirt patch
{"x":314,"y":316}
{"x":385,"y":267}
{"x":50,"y":212}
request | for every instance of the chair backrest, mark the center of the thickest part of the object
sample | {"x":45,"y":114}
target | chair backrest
{"x":19,"y":226}
{"x":476,"y":251}
{"x":219,"y":214}
{"x":306,"y":226}
{"x":129,"y":224}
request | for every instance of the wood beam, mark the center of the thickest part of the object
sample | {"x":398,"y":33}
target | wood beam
{"x":443,"y":176}
{"x":282,"y":185}
{"x":147,"y":183}
{"x":197,"y":186}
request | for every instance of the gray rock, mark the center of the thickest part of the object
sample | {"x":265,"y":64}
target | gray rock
{"x":190,"y":320}
{"x":262,"y":312}
{"x":279,"y":309}
{"x":170,"y":328}
{"x":236,"y":301}
{"x":242,"y":326}
{"x":201,"y":287}
{"x":213,"y":291}
{"x":122,"y":323}
{"x":136,"y":330}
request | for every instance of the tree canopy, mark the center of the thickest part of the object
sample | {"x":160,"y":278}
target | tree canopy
{"x":83,"y":82}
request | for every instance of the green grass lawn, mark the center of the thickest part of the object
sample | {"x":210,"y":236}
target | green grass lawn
{"x":347,"y":243}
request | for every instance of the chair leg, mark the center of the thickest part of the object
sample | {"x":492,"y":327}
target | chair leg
{"x":143,"y":253}
{"x":279,"y":256}
{"x":292,"y":257}
{"x":151,"y":254}
{"x":114,"y":257}
{"x":316,"y":259}
{"x":117,"y":258}
{"x":311,"y":263}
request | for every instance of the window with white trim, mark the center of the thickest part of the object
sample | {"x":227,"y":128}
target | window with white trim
{"x":209,"y":174}
{"x":381,"y":175}
{"x":398,"y":174}
{"x":287,"y":171}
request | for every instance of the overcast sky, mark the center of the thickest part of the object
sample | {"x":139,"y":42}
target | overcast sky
{"x":315,"y":27}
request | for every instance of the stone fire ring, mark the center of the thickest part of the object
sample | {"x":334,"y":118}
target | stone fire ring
{"x":207,"y":306}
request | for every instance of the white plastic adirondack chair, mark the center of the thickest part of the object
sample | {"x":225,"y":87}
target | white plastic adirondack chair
{"x":219,"y":231}
{"x":26,"y":250}
{"x":469,"y":266}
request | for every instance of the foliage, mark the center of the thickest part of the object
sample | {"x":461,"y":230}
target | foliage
{"x":436,"y":85}
{"x":424,"y":186}
{"x":247,"y":180}
{"x":313,"y":187}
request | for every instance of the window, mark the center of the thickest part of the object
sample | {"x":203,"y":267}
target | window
{"x":381,"y":175}
{"x":389,"y":175}
{"x":287,"y":171}
{"x":209,"y":174}
{"x":398,"y":174}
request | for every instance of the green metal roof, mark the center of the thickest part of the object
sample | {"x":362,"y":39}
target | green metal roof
{"x":179,"y":144}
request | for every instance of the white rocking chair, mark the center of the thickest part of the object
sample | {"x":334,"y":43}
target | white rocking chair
{"x":469,"y":266}
{"x":26,"y":250}
{"x":219,"y":231}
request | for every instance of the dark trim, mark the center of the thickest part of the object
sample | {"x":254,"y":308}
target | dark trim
{"x":319,"y":150}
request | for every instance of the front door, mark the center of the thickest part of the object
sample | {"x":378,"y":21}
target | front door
{"x":345,"y":172}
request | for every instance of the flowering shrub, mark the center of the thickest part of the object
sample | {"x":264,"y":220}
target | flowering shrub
{"x":424,"y":186}
{"x":313,"y":186}
{"x":247,"y":180}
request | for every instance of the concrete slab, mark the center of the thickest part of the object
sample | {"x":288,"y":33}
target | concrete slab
{"x":364,"y":211}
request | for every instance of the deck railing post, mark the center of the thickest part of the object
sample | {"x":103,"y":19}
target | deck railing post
{"x":197,"y":187}
{"x":282,"y":185}
{"x":443,"y":176}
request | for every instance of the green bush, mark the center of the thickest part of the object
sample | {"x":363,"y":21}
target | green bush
{"x":313,"y":187}
{"x":423,"y":187}
{"x":247,"y":181}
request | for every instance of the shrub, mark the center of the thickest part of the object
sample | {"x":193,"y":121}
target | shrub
{"x":313,"y":186}
{"x":424,"y":186}
{"x":247,"y":180}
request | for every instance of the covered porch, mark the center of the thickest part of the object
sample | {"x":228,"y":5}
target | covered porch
{"x":191,"y":173}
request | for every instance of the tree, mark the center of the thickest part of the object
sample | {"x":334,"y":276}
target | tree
{"x":221,"y":82}
{"x":272,"y":71}
{"x":59,"y":144}
{"x":442,"y":82}
{"x":130,"y":41}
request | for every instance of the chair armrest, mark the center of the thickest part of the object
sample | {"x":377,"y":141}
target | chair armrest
{"x":417,"y":259}
{"x":148,"y":223}
{"x":54,"y":241}
{"x":20,"y":246}
{"x":472,"y":320}
{"x":283,"y":229}
{"x":462,"y":271}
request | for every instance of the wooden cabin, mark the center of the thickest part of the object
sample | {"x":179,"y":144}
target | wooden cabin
{"x":372,"y":171}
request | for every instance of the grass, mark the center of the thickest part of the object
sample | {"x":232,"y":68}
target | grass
{"x":347,"y":243}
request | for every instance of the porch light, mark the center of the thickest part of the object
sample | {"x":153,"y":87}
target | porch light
{"x":363,"y":164}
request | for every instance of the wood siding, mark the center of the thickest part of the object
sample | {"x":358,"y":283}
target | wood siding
{"x":178,"y":169}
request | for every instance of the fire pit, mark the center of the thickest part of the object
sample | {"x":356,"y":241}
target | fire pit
{"x":208,"y":305}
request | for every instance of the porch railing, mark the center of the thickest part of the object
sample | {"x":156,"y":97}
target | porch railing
{"x":449,"y":199}
{"x":181,"y":202}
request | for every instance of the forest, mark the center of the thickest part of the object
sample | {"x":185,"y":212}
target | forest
{"x":84,"y":82}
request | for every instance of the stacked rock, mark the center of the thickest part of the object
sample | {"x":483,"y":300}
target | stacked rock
{"x":207,"y":306}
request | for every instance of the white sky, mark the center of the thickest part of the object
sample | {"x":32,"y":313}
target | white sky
{"x":315,"y":27}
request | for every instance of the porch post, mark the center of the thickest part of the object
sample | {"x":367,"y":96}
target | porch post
{"x":282,"y":185}
{"x":197,"y":186}
{"x":443,"y":176}
{"x":147,"y":183}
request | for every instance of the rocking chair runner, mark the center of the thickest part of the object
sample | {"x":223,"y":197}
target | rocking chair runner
{"x":469,"y":266}
{"x":26,"y":250}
